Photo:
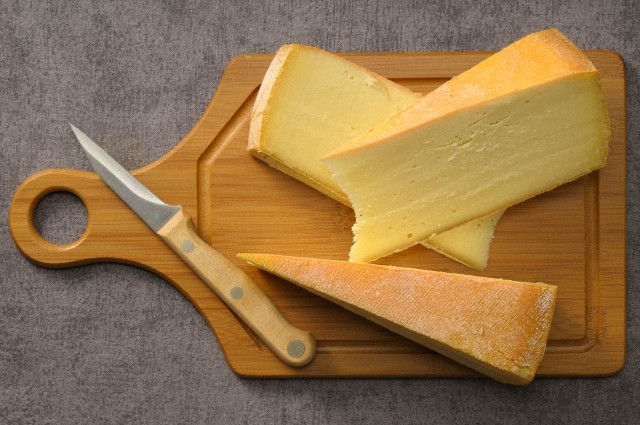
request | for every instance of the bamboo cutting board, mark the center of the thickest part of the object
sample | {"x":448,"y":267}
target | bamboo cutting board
{"x":572,"y":237}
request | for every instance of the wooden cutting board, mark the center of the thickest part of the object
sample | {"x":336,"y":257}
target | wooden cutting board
{"x":572,"y":237}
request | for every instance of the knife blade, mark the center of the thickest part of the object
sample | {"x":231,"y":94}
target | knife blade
{"x":237,"y":290}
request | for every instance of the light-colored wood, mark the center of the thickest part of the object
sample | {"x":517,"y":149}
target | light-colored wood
{"x":572,"y":237}
{"x":294,"y":346}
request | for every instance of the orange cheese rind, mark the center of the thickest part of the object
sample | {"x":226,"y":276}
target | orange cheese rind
{"x":497,"y":327}
{"x":536,"y":59}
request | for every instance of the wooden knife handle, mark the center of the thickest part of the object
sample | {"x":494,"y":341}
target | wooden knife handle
{"x":294,"y":346}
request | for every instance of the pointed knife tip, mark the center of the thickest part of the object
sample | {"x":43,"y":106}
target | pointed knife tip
{"x":75,"y":129}
{"x":85,"y":142}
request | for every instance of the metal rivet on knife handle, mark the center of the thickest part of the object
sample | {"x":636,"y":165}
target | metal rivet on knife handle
{"x":296,"y":348}
{"x":187,"y":246}
{"x":237,"y":293}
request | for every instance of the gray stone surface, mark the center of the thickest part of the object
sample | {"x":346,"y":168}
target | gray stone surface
{"x":112,"y":343}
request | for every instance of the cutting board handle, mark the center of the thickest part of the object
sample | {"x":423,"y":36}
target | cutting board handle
{"x":101,"y":222}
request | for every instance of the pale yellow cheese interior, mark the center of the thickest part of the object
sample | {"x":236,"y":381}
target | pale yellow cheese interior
{"x":470,"y":242}
{"x":497,"y":327}
{"x":311,"y":102}
{"x":524,"y":121}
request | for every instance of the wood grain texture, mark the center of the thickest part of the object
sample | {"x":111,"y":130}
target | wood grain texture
{"x":572,"y":237}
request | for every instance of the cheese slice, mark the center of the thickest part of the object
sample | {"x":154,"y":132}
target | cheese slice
{"x":523,"y":121}
{"x":311,"y":102}
{"x":496,"y":327}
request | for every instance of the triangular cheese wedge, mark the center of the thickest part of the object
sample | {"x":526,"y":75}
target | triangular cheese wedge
{"x":523,"y":121}
{"x":497,"y":327}
{"x":311,"y":102}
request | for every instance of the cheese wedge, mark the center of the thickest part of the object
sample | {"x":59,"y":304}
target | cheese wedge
{"x":311,"y":102}
{"x":496,"y":327}
{"x":523,"y":121}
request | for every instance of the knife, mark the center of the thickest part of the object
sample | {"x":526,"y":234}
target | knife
{"x":242,"y":295}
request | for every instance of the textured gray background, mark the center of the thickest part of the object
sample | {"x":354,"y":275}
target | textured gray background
{"x":116,"y":344}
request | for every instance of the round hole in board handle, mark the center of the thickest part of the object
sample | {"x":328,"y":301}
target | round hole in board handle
{"x":60,"y":217}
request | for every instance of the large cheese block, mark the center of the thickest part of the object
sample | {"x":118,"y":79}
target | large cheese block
{"x":310,"y":102}
{"x":497,"y":327}
{"x":523,"y":121}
